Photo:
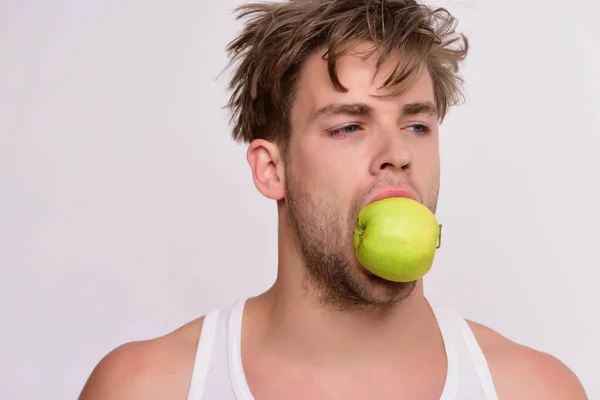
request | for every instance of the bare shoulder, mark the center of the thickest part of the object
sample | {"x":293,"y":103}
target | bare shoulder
{"x":520,"y":372}
{"x":152,"y":369}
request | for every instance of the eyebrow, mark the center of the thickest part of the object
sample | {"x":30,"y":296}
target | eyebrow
{"x":425,"y":107}
{"x":364,"y":110}
{"x":353,"y":109}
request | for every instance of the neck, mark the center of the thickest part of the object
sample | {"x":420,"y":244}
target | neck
{"x":294,"y":322}
{"x":312,"y":331}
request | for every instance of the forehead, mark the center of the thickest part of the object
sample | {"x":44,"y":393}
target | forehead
{"x":357,"y":75}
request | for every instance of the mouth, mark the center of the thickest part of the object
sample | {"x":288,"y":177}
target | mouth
{"x":394,"y":192}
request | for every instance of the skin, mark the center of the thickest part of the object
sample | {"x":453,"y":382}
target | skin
{"x":327,"y":328}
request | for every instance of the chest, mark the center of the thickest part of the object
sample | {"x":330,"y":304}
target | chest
{"x":366,"y":383}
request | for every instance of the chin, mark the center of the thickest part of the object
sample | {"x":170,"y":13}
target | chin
{"x":379,"y":291}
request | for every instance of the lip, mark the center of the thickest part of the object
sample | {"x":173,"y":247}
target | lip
{"x":394,"y":192}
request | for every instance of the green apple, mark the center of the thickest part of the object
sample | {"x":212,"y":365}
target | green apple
{"x":396,"y":238}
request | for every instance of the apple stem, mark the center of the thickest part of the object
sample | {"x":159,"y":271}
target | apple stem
{"x":439,"y":238}
{"x":362,"y":237}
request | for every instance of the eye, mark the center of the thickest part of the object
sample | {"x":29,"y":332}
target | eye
{"x":420,"y":129}
{"x":344,"y":130}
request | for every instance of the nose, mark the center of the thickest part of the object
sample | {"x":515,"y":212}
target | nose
{"x":392,"y":152}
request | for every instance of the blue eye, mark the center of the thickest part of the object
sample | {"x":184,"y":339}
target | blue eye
{"x":344,"y":130}
{"x":420,"y":129}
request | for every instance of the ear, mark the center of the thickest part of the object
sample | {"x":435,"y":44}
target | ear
{"x":268,"y":172}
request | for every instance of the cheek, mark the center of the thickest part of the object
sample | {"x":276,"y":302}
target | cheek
{"x":345,"y":171}
{"x":426,"y":157}
{"x":316,"y":165}
{"x":425,"y":171}
{"x":333,"y":174}
{"x":331,"y":183}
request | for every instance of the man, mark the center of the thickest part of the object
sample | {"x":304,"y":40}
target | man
{"x":340,"y":102}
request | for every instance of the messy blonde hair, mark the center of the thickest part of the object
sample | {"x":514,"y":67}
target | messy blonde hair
{"x":279,"y":36}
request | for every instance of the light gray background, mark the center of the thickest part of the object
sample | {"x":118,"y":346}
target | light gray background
{"x":126,"y":210}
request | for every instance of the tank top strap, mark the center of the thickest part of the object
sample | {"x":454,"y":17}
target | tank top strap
{"x":465,"y":354}
{"x":202,"y":359}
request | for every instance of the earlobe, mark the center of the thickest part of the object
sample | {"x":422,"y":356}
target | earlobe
{"x":265,"y":162}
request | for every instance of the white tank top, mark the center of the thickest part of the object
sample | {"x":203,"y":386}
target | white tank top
{"x":218,"y":373}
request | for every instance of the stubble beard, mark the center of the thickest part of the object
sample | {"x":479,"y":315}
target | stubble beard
{"x":323,"y":236}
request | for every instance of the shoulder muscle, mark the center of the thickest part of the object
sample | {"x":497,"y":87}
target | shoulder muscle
{"x":520,"y":372}
{"x":152,"y":369}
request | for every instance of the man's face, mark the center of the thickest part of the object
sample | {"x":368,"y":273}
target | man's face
{"x":345,"y":149}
